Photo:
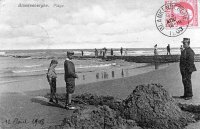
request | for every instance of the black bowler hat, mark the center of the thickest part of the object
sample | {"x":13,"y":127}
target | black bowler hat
{"x":186,"y":40}
{"x":70,"y":53}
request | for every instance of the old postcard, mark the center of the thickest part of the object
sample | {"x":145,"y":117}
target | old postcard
{"x":99,"y":64}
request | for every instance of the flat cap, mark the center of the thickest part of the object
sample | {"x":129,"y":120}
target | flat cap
{"x":70,"y":53}
{"x":186,"y":40}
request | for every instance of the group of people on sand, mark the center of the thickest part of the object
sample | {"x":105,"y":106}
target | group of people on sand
{"x":103,"y":52}
{"x":69,"y":76}
{"x":187,"y":66}
{"x":156,"y":50}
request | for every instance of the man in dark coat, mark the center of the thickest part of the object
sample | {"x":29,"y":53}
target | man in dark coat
{"x":168,"y":50}
{"x":70,"y":76}
{"x":186,"y":68}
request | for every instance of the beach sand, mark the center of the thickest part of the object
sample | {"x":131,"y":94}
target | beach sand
{"x":18,"y":110}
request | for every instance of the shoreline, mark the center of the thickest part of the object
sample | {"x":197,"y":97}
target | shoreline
{"x":100,"y":75}
{"x":83,"y":88}
{"x":162,"y":58}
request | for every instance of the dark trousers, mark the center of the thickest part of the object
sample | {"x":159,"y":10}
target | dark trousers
{"x":53,"y":89}
{"x":70,"y":88}
{"x":186,"y":79}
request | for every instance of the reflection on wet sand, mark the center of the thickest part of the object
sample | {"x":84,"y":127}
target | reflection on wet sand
{"x":83,"y":77}
{"x":156,"y":65}
{"x":122,"y":73}
{"x":126,"y":72}
{"x":113,"y":74}
{"x":97,"y":76}
{"x":107,"y":74}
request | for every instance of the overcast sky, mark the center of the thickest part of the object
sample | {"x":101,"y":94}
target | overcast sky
{"x":84,"y":24}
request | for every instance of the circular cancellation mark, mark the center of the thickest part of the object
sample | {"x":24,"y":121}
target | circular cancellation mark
{"x":172,"y":19}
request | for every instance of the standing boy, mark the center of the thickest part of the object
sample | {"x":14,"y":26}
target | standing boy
{"x":51,"y":77}
{"x":70,"y":76}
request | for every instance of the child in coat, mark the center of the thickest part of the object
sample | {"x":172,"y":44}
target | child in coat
{"x":51,"y":77}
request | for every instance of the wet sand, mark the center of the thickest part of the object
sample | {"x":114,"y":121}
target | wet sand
{"x":19,"y":110}
{"x":38,"y":82}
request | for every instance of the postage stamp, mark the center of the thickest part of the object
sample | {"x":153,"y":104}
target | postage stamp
{"x":172,"y":19}
{"x":192,"y":10}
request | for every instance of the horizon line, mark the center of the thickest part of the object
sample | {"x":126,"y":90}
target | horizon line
{"x":89,"y":48}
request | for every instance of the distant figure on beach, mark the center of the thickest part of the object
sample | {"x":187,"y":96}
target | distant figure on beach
{"x":168,"y":50}
{"x":82,"y":52}
{"x":111,"y":52}
{"x":96,"y":52}
{"x":155,"y":50}
{"x":70,"y":76}
{"x":156,"y":57}
{"x":51,"y":77}
{"x":126,"y":51}
{"x":121,"y":51}
{"x":187,"y":66}
{"x":104,"y":50}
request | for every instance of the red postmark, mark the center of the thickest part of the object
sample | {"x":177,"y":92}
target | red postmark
{"x":185,"y":13}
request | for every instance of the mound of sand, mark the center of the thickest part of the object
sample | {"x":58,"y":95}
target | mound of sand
{"x":149,"y":106}
{"x":100,"y":118}
{"x":152,"y":107}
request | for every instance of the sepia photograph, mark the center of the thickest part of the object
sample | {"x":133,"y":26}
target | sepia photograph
{"x":99,"y":64}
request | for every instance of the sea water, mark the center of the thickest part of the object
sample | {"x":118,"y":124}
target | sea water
{"x":19,"y":69}
{"x":35,"y":63}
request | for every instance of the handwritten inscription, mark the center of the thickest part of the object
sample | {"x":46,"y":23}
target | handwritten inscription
{"x":65,"y":122}
{"x":17,"y":121}
{"x":38,"y":121}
